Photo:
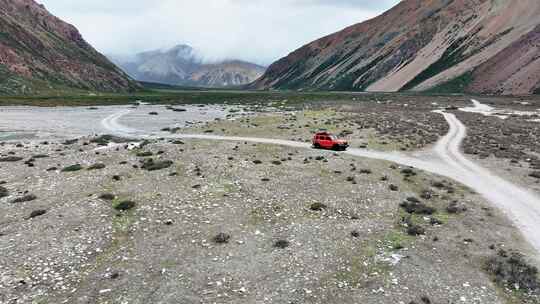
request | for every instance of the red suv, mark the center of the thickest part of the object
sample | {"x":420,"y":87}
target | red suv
{"x":325,"y":140}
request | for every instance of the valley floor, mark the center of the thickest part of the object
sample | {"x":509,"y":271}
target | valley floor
{"x":242,"y":222}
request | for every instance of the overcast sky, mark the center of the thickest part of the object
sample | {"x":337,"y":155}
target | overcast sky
{"x":260,"y":31}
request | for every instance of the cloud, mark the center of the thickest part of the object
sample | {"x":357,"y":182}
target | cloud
{"x":256,"y":30}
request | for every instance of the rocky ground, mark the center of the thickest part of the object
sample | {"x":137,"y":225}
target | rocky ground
{"x":510,"y":146}
{"x":405,"y":124}
{"x":223,"y":222}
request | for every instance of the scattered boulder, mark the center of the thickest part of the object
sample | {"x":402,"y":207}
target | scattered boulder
{"x":393,"y":187}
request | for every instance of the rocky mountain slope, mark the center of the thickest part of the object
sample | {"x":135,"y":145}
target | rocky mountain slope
{"x":479,"y":46}
{"x":181,"y":65}
{"x":40,"y":53}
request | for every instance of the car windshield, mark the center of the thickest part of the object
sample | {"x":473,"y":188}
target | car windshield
{"x":332,"y":137}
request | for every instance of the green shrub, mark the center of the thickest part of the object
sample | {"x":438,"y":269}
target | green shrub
{"x":96,"y":166}
{"x":413,"y":206}
{"x":107,"y":196}
{"x":26,"y":198}
{"x":317,"y":206}
{"x":281,"y":244}
{"x":145,"y":154}
{"x":72,"y":168}
{"x":513,"y":272}
{"x":125,"y":205}
{"x":37,"y":213}
{"x":222,"y":238}
{"x":3,"y":192}
{"x":40,"y":156}
{"x":152,"y":165}
{"x":10,"y":159}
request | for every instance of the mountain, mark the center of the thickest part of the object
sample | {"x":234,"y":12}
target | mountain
{"x":40,"y":53}
{"x":476,"y":46}
{"x":182,"y":65}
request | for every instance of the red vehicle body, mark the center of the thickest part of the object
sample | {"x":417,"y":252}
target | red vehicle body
{"x":325,"y":140}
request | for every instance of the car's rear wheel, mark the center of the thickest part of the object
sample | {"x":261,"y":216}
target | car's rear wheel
{"x":316,"y":146}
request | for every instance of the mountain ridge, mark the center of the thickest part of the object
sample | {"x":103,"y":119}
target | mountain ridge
{"x":182,"y":65}
{"x":422,"y":45}
{"x":40,"y":53}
